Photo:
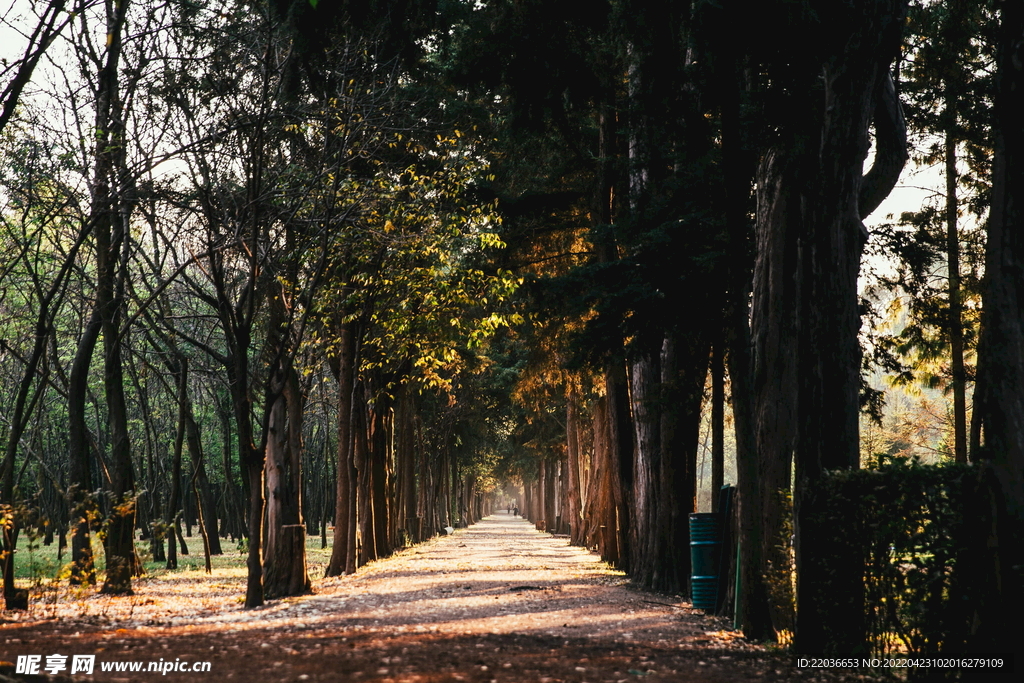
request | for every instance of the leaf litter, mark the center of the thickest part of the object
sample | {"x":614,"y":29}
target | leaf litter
{"x":498,"y":602}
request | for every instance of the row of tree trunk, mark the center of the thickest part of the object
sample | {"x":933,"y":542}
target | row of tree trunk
{"x":786,"y":322}
{"x":391,"y":489}
{"x":793,"y":352}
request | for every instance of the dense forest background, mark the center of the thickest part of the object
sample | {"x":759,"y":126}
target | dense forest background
{"x":369,"y":269}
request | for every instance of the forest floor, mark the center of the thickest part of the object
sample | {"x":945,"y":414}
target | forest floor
{"x":497,"y":602}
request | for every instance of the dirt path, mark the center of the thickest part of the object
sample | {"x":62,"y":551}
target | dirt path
{"x":496,"y":602}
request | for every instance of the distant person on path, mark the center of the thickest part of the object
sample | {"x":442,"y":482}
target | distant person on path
{"x":515,"y":511}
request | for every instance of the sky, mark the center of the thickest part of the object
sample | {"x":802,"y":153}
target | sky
{"x":14,"y":14}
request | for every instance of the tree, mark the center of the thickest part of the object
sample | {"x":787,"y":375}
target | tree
{"x":418,"y":306}
{"x":1000,"y":357}
{"x":111,"y":203}
{"x":944,"y":76}
{"x":33,"y":234}
{"x":804,"y":375}
{"x":50,"y":24}
{"x":857,"y":90}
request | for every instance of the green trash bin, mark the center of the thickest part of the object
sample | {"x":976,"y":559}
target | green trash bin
{"x":705,"y":554}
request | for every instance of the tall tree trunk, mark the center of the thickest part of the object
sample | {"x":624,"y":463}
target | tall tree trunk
{"x":620,"y":460}
{"x":112,"y":210}
{"x":592,"y":510}
{"x":249,"y":456}
{"x":284,"y":558}
{"x":616,"y":438}
{"x":550,"y":495}
{"x":575,"y":491}
{"x":1001,"y":355}
{"x":605,"y":511}
{"x":407,"y":456}
{"x":378,"y":455}
{"x":203,"y":531}
{"x":204,"y":492}
{"x":19,"y":421}
{"x":364,"y":468}
{"x":645,"y":540}
{"x":955,"y":322}
{"x":343,"y":550}
{"x":428,"y":503}
{"x":717,"y":421}
{"x":422,"y":473}
{"x":774,"y":327}
{"x":80,"y":456}
{"x":254,"y":596}
{"x":739,"y":170}
{"x":541,"y":499}
{"x":444,"y":479}
{"x":684,"y":364}
{"x":234,"y":517}
{"x":174,"y":500}
{"x":857,"y":91}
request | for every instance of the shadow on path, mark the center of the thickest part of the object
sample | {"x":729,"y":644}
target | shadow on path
{"x":497,"y":602}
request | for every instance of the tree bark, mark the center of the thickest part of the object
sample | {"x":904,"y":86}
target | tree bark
{"x":249,"y":456}
{"x":406,"y":457}
{"x":174,"y":499}
{"x":112,"y":209}
{"x":575,"y":491}
{"x":364,"y":468}
{"x":774,"y":327}
{"x":1001,"y":353}
{"x":605,"y":511}
{"x":201,"y":482}
{"x":551,"y":495}
{"x":739,"y":171}
{"x":804,"y":373}
{"x":684,"y":370}
{"x":16,"y":430}
{"x":955,"y":323}
{"x":343,"y":550}
{"x":717,"y":421}
{"x":284,"y":558}
{"x":381,"y":503}
{"x":645,"y":539}
{"x":542,"y":486}
{"x":620,"y":461}
{"x":596,"y":509}
{"x":828,"y":370}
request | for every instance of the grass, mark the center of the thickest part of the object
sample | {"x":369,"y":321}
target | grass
{"x":38,"y":563}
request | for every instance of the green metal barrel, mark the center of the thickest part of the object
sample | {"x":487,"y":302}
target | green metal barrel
{"x":705,"y":555}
